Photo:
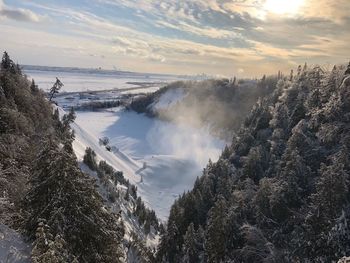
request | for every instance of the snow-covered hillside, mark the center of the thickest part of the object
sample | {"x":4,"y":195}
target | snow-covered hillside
{"x":160,"y":158}
{"x":13,"y":248}
{"x":168,"y":99}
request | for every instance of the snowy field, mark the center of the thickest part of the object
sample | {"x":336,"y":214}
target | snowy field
{"x":82,"y":80}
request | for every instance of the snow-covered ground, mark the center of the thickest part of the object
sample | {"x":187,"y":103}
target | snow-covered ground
{"x":168,"y":99}
{"x":83,"y":80}
{"x":162,"y":159}
{"x":13,"y":248}
{"x":147,"y":89}
{"x":174,"y":155}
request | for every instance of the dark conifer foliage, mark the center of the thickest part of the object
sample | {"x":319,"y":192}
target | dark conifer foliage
{"x":67,"y":199}
{"x":55,"y":88}
{"x":105,"y":172}
{"x":280,"y":192}
{"x":41,"y":186}
{"x":24,"y":118}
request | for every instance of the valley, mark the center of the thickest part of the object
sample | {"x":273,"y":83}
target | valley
{"x":161,"y":158}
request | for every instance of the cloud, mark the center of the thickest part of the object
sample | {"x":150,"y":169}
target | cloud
{"x":337,"y":11}
{"x":18,"y":14}
{"x":190,"y":36}
{"x":206,"y":31}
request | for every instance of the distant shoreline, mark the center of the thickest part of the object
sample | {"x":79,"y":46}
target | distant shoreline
{"x":97,"y":71}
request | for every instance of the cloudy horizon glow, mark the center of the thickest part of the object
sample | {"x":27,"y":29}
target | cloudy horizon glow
{"x":246,"y":38}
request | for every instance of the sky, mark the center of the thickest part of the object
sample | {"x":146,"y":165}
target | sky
{"x":245,"y":38}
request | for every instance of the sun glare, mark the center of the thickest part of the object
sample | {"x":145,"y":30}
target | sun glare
{"x":283,"y":7}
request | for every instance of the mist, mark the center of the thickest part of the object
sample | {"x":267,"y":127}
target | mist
{"x":185,"y":142}
{"x":215,"y":107}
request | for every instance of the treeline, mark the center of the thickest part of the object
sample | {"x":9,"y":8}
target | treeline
{"x":46,"y":196}
{"x":98,"y":105}
{"x":280,"y":192}
{"x":111,"y":179}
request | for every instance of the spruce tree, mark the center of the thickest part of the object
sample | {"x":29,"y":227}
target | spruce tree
{"x":55,"y":88}
{"x":216,"y":231}
{"x":47,"y":249}
{"x":347,"y":71}
{"x":68,"y":201}
{"x":190,"y":250}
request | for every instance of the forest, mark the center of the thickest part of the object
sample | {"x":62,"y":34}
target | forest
{"x":278,"y":193}
{"x":44,"y":194}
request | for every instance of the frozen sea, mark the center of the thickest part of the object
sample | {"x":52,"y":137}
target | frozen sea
{"x":82,"y":80}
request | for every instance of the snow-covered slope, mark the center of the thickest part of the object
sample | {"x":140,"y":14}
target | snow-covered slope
{"x":118,"y":160}
{"x":168,"y":99}
{"x":125,"y":208}
{"x":160,"y":158}
{"x":13,"y":249}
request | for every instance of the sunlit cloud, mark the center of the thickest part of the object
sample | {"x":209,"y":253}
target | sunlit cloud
{"x":219,"y":37}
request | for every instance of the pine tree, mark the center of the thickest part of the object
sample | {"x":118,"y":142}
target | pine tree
{"x":68,"y":201}
{"x":331,"y":190}
{"x":347,"y":71}
{"x":47,"y":249}
{"x":190,"y":250}
{"x":291,"y":75}
{"x":299,"y":70}
{"x":90,"y":158}
{"x":55,"y":88}
{"x":64,"y":131}
{"x":258,"y":248}
{"x":215,"y":243}
{"x":34,"y":87}
{"x":8,"y":65}
{"x":168,"y":251}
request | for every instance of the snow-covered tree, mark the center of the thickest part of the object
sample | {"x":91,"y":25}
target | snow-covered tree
{"x":68,"y":201}
{"x":55,"y":88}
{"x":190,"y":249}
{"x":215,"y":233}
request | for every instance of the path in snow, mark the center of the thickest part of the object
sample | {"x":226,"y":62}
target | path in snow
{"x":174,"y":155}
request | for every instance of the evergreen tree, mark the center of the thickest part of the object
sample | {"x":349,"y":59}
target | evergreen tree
{"x":215,"y":243}
{"x":66,"y":198}
{"x":299,"y":70}
{"x":47,"y":249}
{"x":331,"y":191}
{"x":8,"y":65}
{"x":347,"y":71}
{"x":34,"y":87}
{"x":90,"y":159}
{"x":291,"y":75}
{"x":55,"y":88}
{"x":190,"y":250}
